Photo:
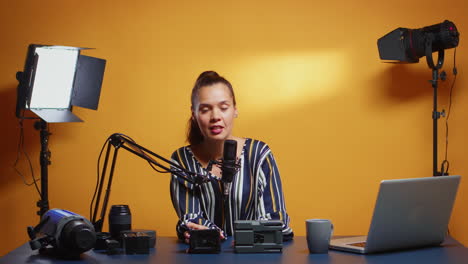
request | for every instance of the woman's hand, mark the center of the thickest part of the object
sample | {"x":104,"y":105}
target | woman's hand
{"x":194,"y":226}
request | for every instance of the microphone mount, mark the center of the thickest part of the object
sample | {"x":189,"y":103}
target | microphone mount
{"x":220,"y":163}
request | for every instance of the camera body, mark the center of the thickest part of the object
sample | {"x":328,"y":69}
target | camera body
{"x":204,"y":241}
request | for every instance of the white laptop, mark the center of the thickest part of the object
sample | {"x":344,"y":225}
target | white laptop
{"x":408,"y":213}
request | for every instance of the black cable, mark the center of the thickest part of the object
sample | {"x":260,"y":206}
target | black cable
{"x":20,"y":150}
{"x":446,"y":163}
{"x":97,"y":178}
{"x":156,"y":169}
{"x":142,"y":152}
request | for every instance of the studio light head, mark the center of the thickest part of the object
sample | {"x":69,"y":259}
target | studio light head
{"x":408,"y":45}
{"x":54,"y":79}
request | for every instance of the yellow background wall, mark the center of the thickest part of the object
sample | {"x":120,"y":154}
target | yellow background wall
{"x":308,"y":80}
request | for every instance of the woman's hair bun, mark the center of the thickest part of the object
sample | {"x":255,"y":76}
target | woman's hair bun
{"x":206,"y":74}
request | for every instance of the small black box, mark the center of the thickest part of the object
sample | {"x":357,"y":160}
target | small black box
{"x":150,"y":233}
{"x":135,"y":243}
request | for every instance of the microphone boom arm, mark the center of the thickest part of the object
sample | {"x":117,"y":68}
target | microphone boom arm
{"x":121,"y":141}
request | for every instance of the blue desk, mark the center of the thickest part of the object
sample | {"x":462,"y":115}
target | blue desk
{"x":168,"y":250}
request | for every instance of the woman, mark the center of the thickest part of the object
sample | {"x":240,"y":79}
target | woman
{"x":256,"y":190}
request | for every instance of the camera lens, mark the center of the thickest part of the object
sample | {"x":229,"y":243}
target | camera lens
{"x":120,"y":219}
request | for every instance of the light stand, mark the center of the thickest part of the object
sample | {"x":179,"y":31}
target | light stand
{"x":121,"y":141}
{"x":44,"y":160}
{"x":435,"y":113}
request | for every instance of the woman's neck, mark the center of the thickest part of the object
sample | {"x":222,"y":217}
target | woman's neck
{"x":211,"y":150}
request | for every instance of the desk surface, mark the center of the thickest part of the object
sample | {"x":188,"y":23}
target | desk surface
{"x":169,"y":250}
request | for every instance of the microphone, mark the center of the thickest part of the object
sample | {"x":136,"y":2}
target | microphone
{"x":229,"y":164}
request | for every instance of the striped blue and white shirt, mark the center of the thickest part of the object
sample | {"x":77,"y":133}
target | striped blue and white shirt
{"x":256,"y":192}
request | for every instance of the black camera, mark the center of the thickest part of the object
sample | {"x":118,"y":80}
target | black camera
{"x":204,"y":241}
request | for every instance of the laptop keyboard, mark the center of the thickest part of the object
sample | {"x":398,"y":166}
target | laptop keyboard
{"x":359,"y":244}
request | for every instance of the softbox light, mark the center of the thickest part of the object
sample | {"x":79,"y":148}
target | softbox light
{"x":56,"y":78}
